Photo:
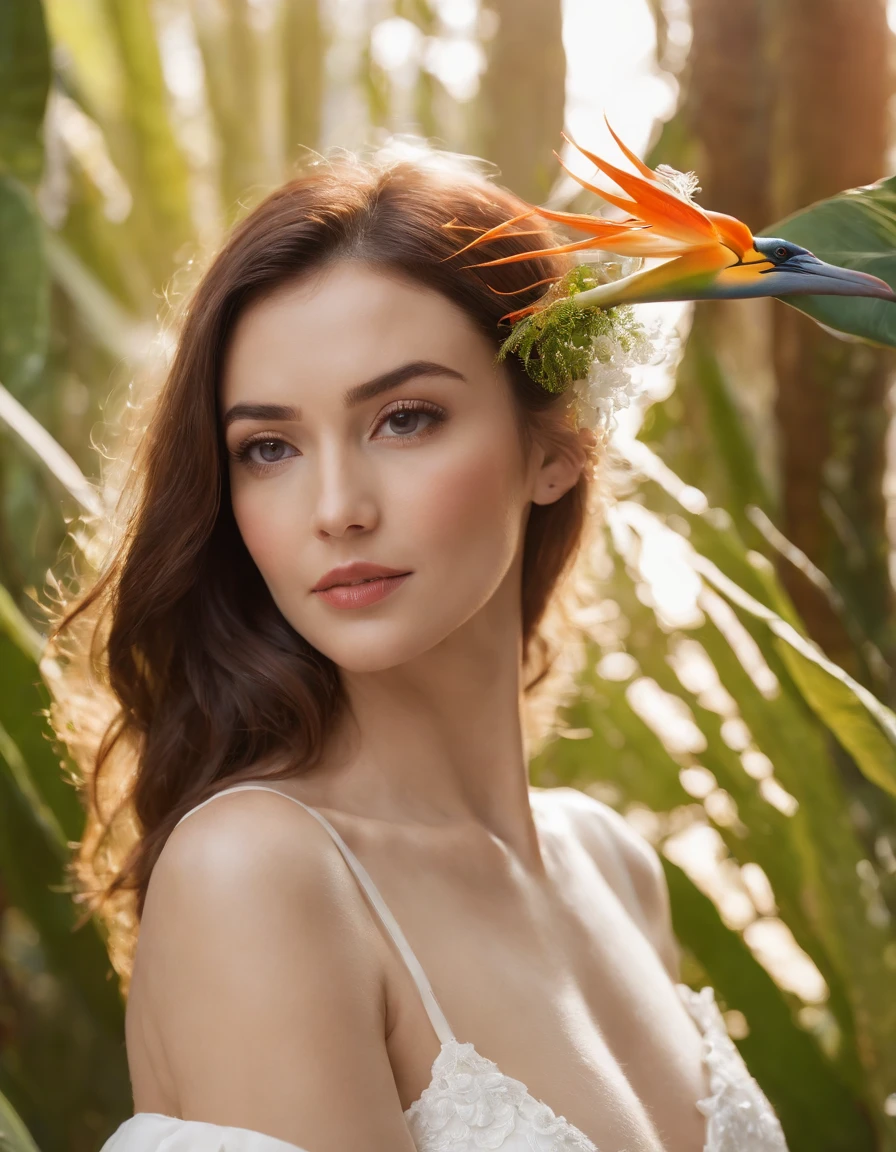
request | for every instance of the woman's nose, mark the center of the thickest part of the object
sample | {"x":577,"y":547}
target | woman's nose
{"x":344,"y":498}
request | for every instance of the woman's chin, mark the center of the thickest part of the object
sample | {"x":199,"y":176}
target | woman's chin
{"x":374,"y":656}
{"x":379,"y":649}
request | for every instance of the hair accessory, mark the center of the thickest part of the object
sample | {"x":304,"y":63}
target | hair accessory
{"x":582,"y":333}
{"x":590,"y":351}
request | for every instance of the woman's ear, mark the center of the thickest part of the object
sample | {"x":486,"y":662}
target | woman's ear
{"x":565,"y":454}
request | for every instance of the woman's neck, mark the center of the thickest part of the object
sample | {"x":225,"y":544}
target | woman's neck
{"x":438,"y":740}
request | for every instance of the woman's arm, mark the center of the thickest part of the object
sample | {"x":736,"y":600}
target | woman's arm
{"x":264,"y":981}
{"x":631,"y":865}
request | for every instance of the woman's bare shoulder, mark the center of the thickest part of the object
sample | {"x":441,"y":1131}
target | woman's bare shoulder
{"x":251,"y":853}
{"x":260,"y":977}
{"x":628,"y":862}
{"x":251,"y":827}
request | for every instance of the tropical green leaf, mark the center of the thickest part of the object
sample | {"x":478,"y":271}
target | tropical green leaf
{"x":783,"y":1057}
{"x":111,"y":325}
{"x":38,"y":441}
{"x":14,"y":625}
{"x":827,"y":910}
{"x":14,"y":1136}
{"x":854,"y":229}
{"x":39,"y":815}
{"x":32,"y":864}
{"x":864,"y":725}
{"x":150,"y":154}
{"x":24,"y":699}
{"x":24,"y":289}
{"x":24,"y":83}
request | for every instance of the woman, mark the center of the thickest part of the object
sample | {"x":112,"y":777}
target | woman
{"x":326,"y":612}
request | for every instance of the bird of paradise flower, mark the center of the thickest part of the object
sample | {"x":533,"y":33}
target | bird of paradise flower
{"x":711,"y":255}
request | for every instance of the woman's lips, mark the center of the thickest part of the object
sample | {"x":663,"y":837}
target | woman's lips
{"x":360,"y":595}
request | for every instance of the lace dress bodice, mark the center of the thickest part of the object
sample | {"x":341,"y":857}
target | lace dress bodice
{"x":470,"y":1105}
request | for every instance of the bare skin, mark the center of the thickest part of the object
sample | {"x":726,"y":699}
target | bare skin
{"x":266,"y":993}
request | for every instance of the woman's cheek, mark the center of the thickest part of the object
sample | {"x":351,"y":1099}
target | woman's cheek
{"x":471,"y":497}
{"x":265,"y":529}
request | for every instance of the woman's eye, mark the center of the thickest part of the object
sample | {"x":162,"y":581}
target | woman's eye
{"x":405,"y":422}
{"x":258,"y":454}
{"x":268,"y":450}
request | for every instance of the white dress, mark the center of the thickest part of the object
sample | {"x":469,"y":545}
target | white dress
{"x":469,"y":1104}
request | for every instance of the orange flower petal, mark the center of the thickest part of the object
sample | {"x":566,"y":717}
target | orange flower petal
{"x":578,"y":245}
{"x":516,"y":291}
{"x":671,"y":213}
{"x":638,"y":163}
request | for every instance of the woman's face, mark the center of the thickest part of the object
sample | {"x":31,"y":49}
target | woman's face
{"x":422,"y":471}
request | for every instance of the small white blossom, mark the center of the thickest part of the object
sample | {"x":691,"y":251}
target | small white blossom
{"x":610,"y":385}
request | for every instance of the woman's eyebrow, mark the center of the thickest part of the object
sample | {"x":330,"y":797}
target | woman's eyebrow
{"x":352,"y":397}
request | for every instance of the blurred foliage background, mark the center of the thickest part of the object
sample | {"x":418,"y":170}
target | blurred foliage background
{"x":735,"y":702}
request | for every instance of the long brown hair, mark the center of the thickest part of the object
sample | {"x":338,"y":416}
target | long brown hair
{"x":176,"y":672}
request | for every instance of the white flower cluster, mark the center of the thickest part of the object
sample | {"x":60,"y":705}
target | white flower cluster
{"x":611,"y":384}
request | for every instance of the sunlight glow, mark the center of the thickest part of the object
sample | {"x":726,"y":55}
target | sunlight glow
{"x":760,"y":889}
{"x":458,"y":15}
{"x":774,"y":946}
{"x":458,"y":63}
{"x":696,"y":672}
{"x":701,"y":853}
{"x":778,"y":797}
{"x":616,"y":666}
{"x":742,"y":643}
{"x":609,"y":51}
{"x":663,"y":565}
{"x":667,"y":716}
{"x":736,"y":734}
{"x":697,"y":781}
{"x":395,"y":43}
{"x":745,"y":902}
{"x":721,"y":807}
{"x":757,"y":764}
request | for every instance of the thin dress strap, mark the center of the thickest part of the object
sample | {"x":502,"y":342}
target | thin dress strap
{"x":433,"y":1010}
